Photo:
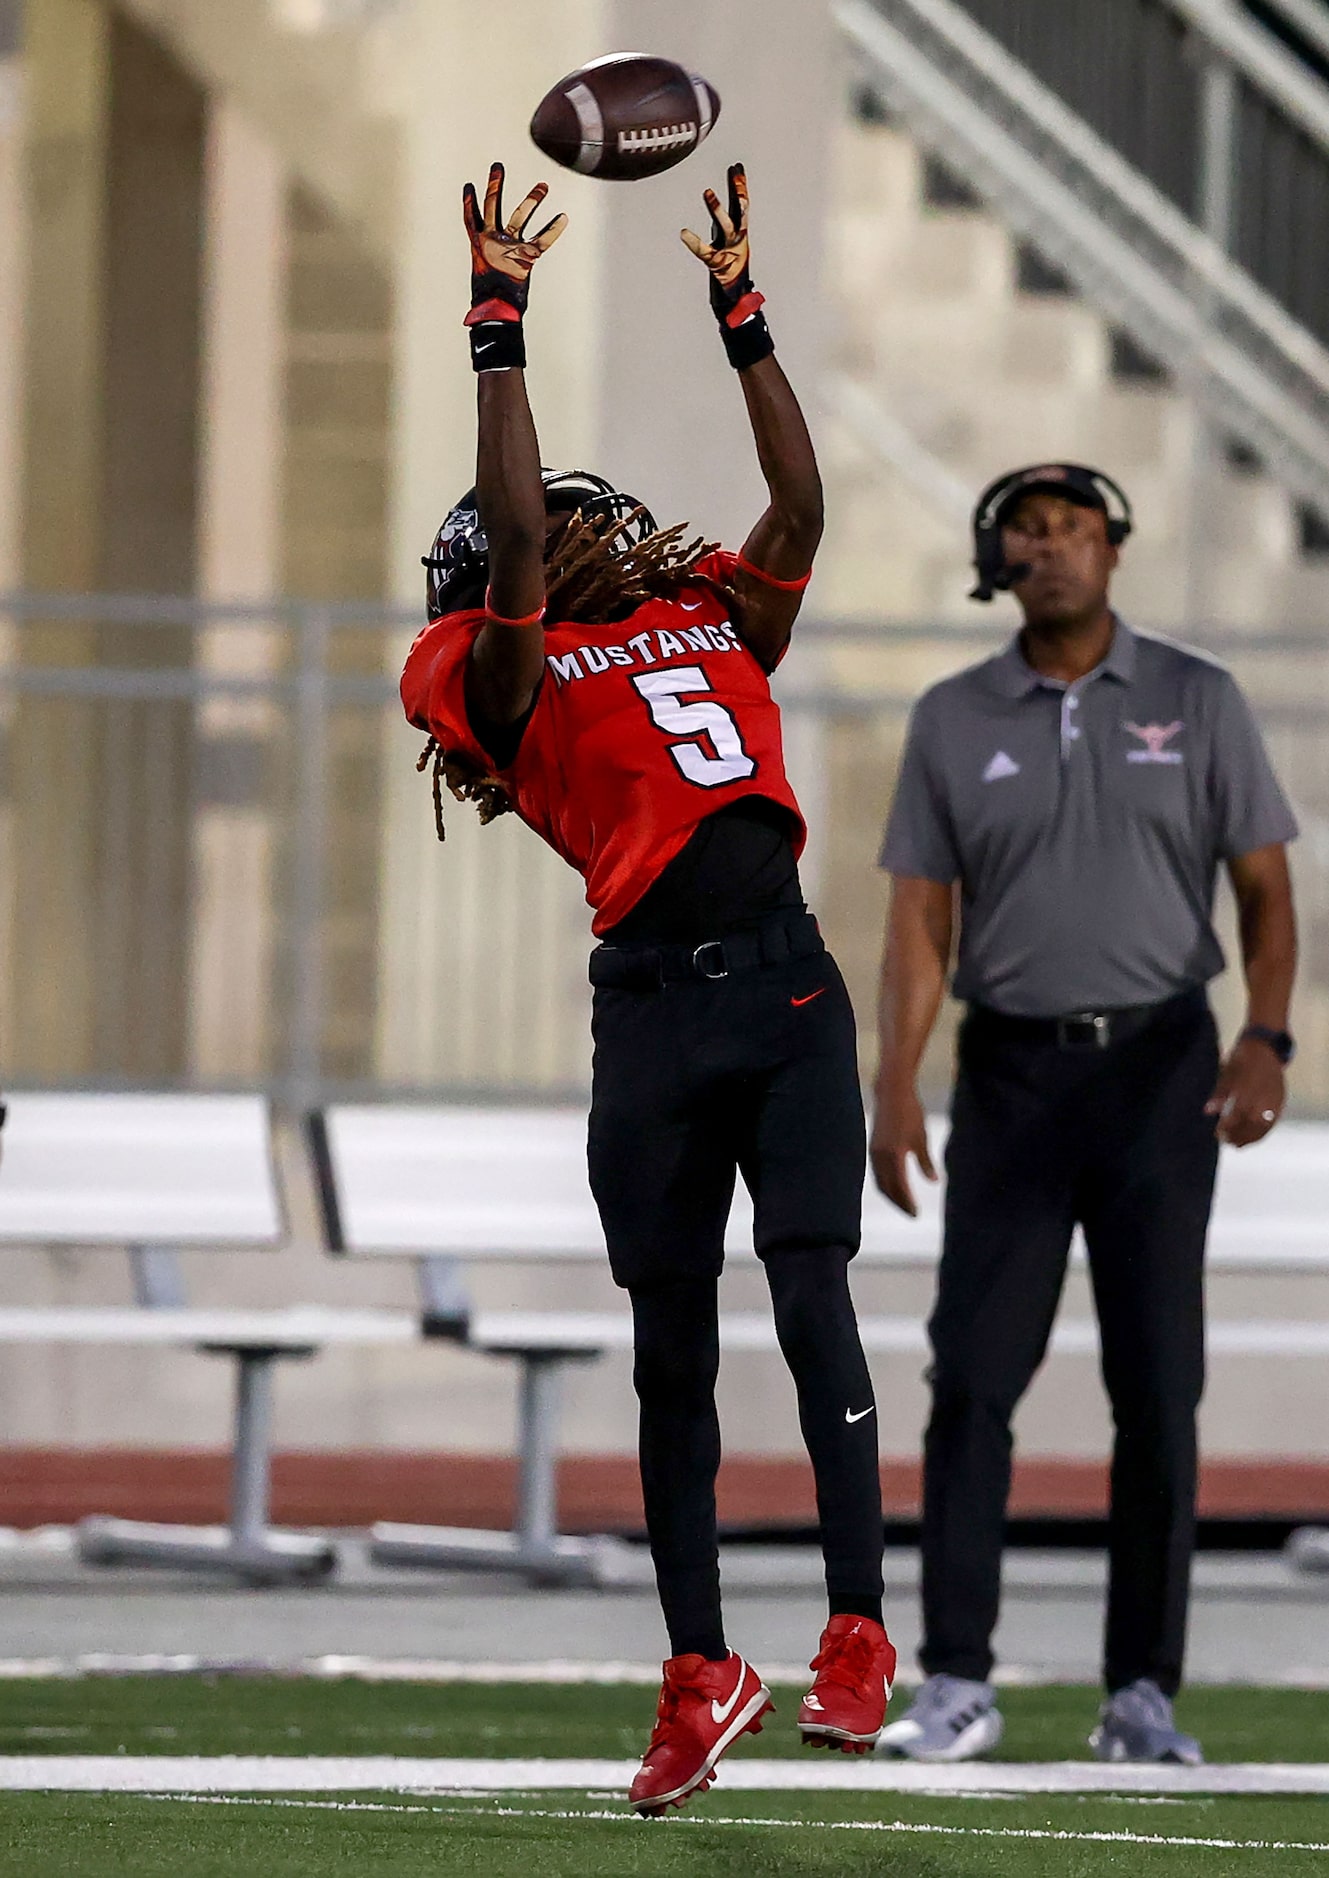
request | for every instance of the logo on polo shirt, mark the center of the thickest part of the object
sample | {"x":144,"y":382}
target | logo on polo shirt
{"x":1001,"y":766}
{"x":1155,"y":738}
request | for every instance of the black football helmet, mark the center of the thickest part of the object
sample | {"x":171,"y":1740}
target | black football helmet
{"x":458,"y":568}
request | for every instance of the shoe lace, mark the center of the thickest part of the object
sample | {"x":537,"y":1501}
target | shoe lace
{"x":845,"y":1660}
{"x":675,"y":1685}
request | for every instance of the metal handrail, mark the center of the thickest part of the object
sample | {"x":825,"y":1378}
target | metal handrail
{"x":1308,"y":18}
{"x":1127,"y":248}
{"x":1202,"y":257}
{"x":1258,"y":56}
{"x":128,"y":610}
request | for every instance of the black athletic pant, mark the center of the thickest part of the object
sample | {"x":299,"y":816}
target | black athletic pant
{"x":755,"y":1073}
{"x":1044,"y":1136}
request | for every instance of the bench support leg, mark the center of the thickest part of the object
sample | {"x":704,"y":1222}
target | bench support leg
{"x":537,"y":1437}
{"x":535,"y":1548}
{"x":248,"y":1548}
{"x":251,"y":1463}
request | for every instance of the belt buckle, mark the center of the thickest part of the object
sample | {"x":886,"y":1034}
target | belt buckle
{"x":699,"y":966}
{"x":1084,"y":1028}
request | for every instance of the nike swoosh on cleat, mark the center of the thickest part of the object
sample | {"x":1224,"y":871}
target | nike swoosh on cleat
{"x":796,"y":1002}
{"x":851,"y":1418}
{"x":721,"y":1711}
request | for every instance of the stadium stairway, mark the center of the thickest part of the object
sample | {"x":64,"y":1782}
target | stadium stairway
{"x":984,"y":358}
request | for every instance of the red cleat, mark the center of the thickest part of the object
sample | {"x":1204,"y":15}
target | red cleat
{"x":846,"y":1706}
{"x":704,"y":1708}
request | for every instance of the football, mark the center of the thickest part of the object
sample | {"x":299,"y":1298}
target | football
{"x":625,"y":116}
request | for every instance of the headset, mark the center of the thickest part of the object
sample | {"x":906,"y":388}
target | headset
{"x":1089,"y":487}
{"x":459,"y":564}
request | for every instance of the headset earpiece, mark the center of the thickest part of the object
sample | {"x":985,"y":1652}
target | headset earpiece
{"x":994,"y":576}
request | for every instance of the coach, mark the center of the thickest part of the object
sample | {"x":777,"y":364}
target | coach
{"x":1080,"y":790}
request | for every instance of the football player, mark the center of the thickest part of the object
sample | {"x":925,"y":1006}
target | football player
{"x":610,"y":683}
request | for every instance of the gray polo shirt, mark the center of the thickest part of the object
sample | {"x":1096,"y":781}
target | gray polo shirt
{"x":1084,"y":822}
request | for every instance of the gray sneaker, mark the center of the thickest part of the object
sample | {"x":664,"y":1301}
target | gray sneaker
{"x":948,"y":1720}
{"x":1136,"y":1725}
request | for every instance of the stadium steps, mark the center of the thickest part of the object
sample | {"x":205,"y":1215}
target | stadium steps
{"x":985,"y":373}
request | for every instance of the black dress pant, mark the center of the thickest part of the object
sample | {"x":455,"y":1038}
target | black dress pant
{"x":1045,"y":1136}
{"x":693,"y":1083}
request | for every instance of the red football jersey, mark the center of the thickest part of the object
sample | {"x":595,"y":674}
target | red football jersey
{"x":641,"y":729}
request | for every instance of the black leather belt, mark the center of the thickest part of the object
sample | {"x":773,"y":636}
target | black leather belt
{"x":650,"y":968}
{"x":1086,"y":1030}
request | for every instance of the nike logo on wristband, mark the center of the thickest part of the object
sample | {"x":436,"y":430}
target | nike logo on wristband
{"x":721,"y":1711}
{"x":851,"y":1418}
{"x":797,"y":1002}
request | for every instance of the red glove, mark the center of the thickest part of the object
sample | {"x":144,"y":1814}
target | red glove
{"x":501,"y":263}
{"x":734,"y":300}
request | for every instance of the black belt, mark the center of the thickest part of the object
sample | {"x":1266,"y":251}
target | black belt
{"x":1087,"y":1030}
{"x":649,"y":968}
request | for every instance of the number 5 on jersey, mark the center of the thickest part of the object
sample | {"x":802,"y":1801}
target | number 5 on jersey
{"x":664,"y":693}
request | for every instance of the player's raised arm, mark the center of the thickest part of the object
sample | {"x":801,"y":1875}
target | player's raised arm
{"x":776,"y":562}
{"x":508,"y":657}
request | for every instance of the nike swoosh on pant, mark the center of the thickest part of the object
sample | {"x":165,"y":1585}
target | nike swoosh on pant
{"x":721,"y":1711}
{"x":796,"y":1002}
{"x":851,"y":1418}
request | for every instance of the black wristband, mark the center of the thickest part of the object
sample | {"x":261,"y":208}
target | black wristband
{"x":1279,"y":1041}
{"x":749,"y":343}
{"x":498,"y":346}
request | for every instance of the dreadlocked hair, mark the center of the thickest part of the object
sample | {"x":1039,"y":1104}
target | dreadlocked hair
{"x":466,"y":781}
{"x":588,"y":582}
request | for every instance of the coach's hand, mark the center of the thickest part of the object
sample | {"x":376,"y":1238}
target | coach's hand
{"x":502,"y":255}
{"x":899,"y":1130}
{"x":1249,"y":1095}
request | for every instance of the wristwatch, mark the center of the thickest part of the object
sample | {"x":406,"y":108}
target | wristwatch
{"x":1279,"y":1041}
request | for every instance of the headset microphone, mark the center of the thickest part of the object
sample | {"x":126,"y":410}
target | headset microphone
{"x":1089,"y":487}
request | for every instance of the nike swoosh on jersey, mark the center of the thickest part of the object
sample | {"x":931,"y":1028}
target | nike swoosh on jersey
{"x":851,"y":1418}
{"x":796,"y":1002}
{"x":721,"y":1711}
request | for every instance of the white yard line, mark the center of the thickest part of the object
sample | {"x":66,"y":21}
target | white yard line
{"x":162,"y":1773}
{"x":569,"y":1670}
{"x":621,"y":1817}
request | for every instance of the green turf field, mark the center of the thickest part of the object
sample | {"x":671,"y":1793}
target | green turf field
{"x":65,"y":1835}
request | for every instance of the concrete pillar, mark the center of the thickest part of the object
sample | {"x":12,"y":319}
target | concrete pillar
{"x":67,"y":61}
{"x":672,"y":426}
{"x":154,"y":248}
{"x":12,"y":250}
{"x":490,"y":917}
{"x":240,"y":472}
{"x":339,"y":309}
{"x":627,"y":376}
{"x":12,"y":254}
{"x":101,"y":862}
